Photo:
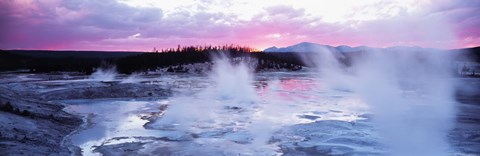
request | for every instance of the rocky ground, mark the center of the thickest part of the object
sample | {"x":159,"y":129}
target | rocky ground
{"x":32,"y":123}
{"x":466,"y":133}
{"x":40,"y":132}
{"x":36,"y":123}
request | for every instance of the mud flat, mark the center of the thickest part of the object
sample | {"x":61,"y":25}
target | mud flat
{"x":465,"y":136}
{"x":37,"y":124}
{"x":72,"y":115}
{"x":41,"y":132}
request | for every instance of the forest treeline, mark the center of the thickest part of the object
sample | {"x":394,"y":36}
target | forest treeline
{"x":74,"y":61}
{"x":171,"y":58}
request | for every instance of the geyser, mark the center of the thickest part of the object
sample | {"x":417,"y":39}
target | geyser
{"x":104,"y":74}
{"x":232,"y":89}
{"x":132,"y":78}
{"x":229,"y":112}
{"x":410,"y":94}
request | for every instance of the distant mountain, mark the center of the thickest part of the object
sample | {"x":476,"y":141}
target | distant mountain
{"x":300,"y":47}
{"x":312,"y":47}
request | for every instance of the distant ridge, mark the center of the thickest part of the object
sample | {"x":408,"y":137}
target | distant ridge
{"x":313,"y":47}
{"x":72,"y":54}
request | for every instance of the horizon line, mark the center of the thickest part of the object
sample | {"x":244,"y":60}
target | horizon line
{"x":254,"y":49}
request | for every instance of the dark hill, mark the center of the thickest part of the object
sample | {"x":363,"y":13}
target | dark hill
{"x":74,"y":54}
{"x":128,"y":62}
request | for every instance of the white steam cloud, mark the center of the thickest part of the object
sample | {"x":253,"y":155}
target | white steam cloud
{"x":104,"y":74}
{"x":411,"y":95}
{"x":232,"y":88}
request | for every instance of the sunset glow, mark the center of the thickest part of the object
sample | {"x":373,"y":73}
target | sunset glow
{"x":141,"y":25}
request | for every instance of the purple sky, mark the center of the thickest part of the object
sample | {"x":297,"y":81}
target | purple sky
{"x":145,"y":24}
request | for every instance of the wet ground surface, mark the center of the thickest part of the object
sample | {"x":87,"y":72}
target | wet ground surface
{"x":279,"y":114}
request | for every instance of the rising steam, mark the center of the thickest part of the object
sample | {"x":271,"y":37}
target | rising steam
{"x":411,"y":95}
{"x":104,"y":74}
{"x":232,"y":88}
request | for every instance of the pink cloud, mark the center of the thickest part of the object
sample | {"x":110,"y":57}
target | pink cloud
{"x":107,"y":25}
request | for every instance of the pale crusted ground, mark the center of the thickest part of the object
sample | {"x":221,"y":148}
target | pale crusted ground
{"x":42,"y":132}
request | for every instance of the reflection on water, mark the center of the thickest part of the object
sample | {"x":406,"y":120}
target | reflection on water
{"x":291,"y":114}
{"x":107,"y":119}
{"x":283,"y":101}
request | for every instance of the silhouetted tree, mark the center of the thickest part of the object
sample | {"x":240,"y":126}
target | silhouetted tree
{"x":7,"y":107}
